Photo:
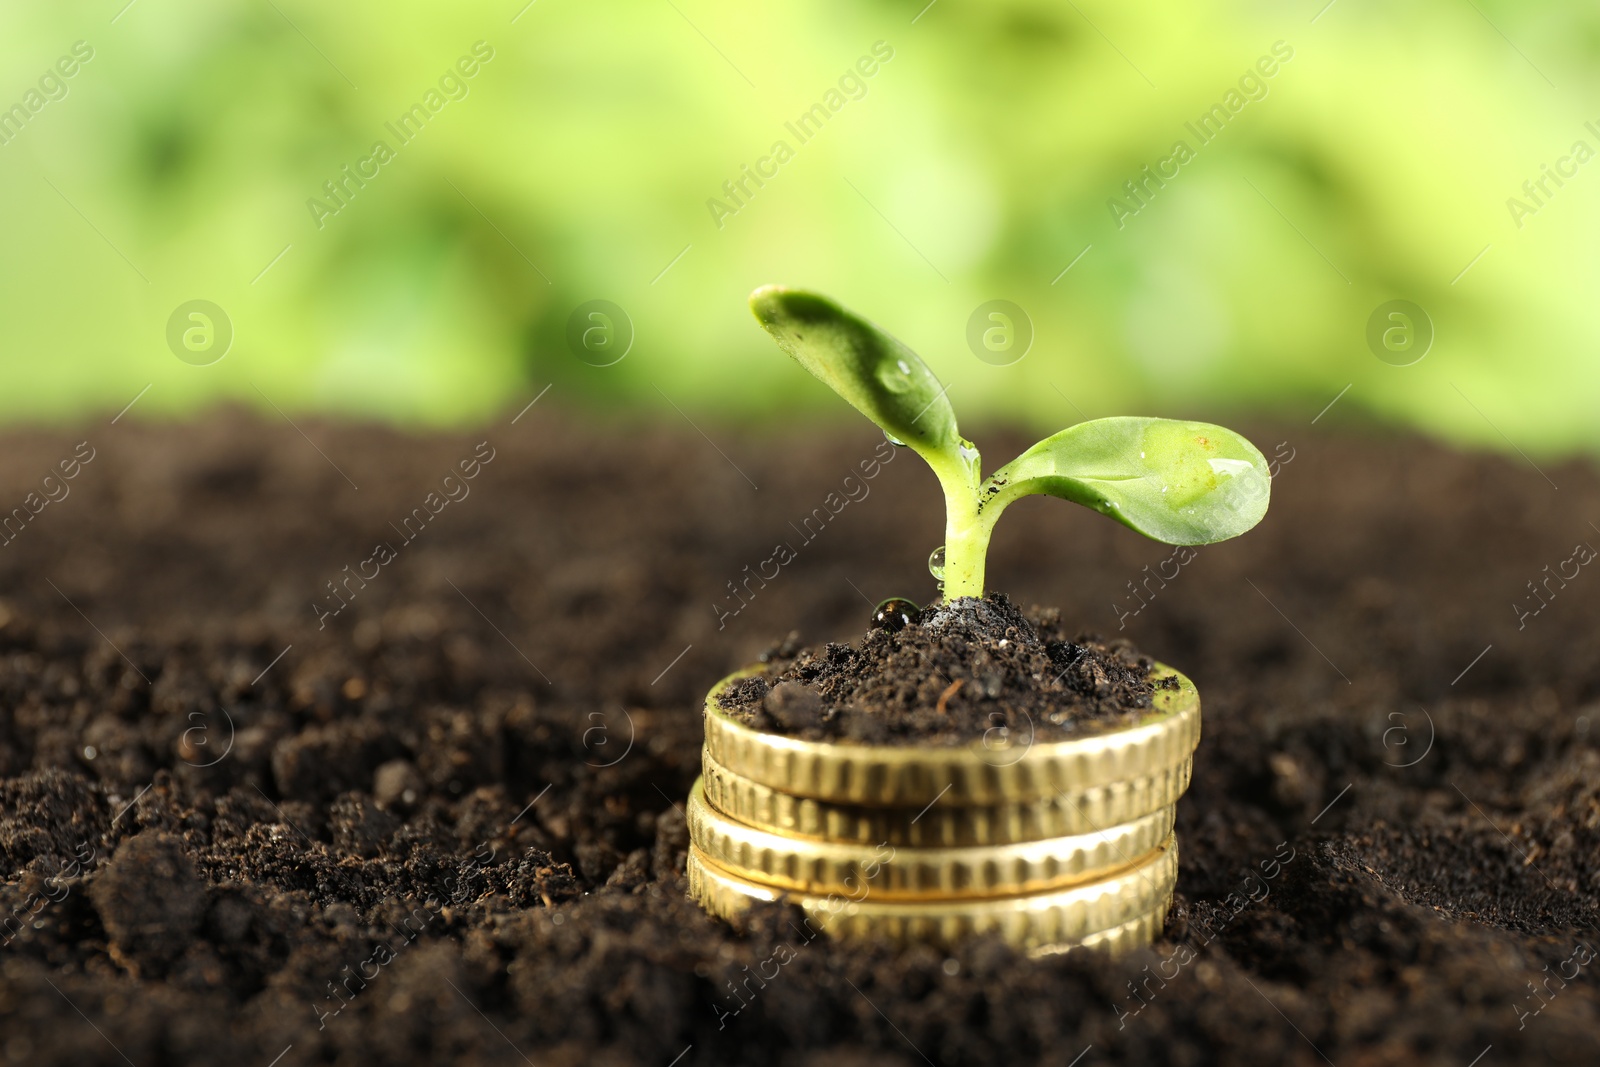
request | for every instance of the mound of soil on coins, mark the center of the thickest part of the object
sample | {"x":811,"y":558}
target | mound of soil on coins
{"x":957,"y":672}
{"x":265,"y":800}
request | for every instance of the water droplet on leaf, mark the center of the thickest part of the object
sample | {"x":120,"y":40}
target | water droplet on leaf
{"x":936,"y":563}
{"x":896,"y":379}
{"x":893,"y":440}
{"x":969,"y":455}
{"x":1230,"y":467}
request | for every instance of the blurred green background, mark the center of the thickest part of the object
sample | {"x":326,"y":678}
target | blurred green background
{"x":179,"y":161}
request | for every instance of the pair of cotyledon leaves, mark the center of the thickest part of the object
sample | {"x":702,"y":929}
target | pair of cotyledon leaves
{"x":1184,"y":483}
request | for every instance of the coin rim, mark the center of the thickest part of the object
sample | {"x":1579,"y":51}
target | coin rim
{"x":890,"y":775}
{"x":946,"y":874}
{"x":941,"y":826}
{"x":1051,"y":920}
{"x":1138,"y":932}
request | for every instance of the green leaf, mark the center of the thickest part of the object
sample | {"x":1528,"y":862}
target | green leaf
{"x":1185,"y":483}
{"x":879,"y":376}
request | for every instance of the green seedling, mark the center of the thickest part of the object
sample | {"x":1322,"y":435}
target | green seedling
{"x":1184,"y":483}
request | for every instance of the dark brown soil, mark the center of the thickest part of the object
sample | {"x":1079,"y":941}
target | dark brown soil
{"x":957,"y":672}
{"x":433,"y":815}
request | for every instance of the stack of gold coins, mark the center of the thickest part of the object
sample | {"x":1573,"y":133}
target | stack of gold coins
{"x":1054,"y":845}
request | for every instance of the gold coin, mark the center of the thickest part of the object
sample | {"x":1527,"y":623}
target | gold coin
{"x":1119,"y":940}
{"x":1085,"y":915}
{"x":974,"y":774}
{"x":903,"y":873}
{"x":940,"y":825}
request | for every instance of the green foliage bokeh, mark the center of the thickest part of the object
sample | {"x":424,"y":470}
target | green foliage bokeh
{"x":976,"y":163}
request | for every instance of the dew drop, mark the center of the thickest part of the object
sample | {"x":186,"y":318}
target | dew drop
{"x":1231,"y":467}
{"x":969,"y":455}
{"x":895,"y":614}
{"x":893,"y":440}
{"x":936,"y":563}
{"x":895,"y":377}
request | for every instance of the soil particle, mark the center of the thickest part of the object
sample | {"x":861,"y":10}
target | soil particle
{"x":962,"y":671}
{"x":149,"y":898}
{"x":794,"y":707}
{"x":396,"y":784}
